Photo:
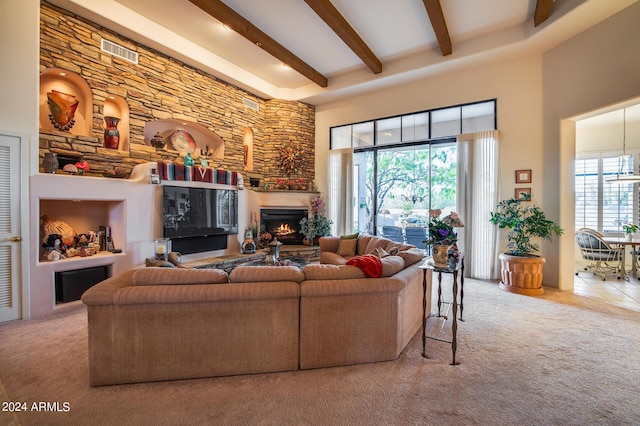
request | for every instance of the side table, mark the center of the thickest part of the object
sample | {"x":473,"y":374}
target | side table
{"x":456,"y":270}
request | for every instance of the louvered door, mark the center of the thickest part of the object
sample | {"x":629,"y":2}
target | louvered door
{"x":9,"y":227}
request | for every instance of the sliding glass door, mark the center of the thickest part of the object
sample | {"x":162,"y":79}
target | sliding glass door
{"x":400,"y":184}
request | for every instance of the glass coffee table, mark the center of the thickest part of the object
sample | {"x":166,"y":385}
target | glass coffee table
{"x":287,"y":261}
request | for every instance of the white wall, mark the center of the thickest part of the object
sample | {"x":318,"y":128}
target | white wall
{"x":19,"y":70}
{"x":596,"y":69}
{"x":19,"y":85}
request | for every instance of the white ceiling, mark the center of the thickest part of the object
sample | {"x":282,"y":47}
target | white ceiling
{"x":397,"y":31}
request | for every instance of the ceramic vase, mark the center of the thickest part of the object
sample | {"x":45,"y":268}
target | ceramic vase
{"x":50,"y":162}
{"x":111,"y":132}
{"x":441,"y":255}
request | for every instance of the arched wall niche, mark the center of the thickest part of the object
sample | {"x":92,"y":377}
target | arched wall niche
{"x":72,"y":84}
{"x":203,"y":138}
{"x":116,"y":106}
{"x":247,"y":139}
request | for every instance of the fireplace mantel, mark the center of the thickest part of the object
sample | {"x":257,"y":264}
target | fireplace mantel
{"x":285,"y":199}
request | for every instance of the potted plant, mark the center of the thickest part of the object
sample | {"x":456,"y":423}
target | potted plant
{"x":316,"y":224}
{"x":521,"y":267}
{"x":629,"y":229}
{"x":442,"y":237}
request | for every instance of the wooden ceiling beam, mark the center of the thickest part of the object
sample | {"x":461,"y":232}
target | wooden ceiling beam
{"x":543,"y":11}
{"x":332,"y":17}
{"x":439,"y":25}
{"x":239,"y":24}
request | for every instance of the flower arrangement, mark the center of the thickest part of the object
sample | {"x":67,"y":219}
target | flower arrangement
{"x":629,"y":228}
{"x":82,"y":167}
{"x":316,"y":224}
{"x":441,"y":230}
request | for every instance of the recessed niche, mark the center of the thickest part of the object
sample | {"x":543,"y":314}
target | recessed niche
{"x":247,"y":140}
{"x":68,"y":83}
{"x":116,"y":106}
{"x":183,"y":136}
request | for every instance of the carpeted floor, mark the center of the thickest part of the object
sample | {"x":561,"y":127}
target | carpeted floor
{"x":558,"y":359}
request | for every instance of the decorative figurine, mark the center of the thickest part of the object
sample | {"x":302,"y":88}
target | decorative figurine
{"x":248,"y":247}
{"x":188,"y":160}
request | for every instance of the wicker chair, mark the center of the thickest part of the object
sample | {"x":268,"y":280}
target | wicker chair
{"x":605,"y":260}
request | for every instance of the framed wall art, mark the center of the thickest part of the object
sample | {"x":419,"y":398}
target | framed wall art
{"x":523,"y":194}
{"x":523,"y":176}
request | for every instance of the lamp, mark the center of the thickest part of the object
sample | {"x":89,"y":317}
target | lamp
{"x":623,"y":176}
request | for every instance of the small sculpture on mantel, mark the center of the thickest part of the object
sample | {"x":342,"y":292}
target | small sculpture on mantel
{"x":157,"y":141}
{"x":188,"y":159}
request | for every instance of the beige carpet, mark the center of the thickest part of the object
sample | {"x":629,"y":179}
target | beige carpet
{"x":556,"y":359}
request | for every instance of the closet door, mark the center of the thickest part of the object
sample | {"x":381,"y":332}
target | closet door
{"x":9,"y":228}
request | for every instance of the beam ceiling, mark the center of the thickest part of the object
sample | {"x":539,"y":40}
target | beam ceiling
{"x":439,"y":24}
{"x":543,"y":11}
{"x":332,"y":17}
{"x":239,"y":24}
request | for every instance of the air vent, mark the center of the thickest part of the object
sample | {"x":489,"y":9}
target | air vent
{"x":250,"y":104}
{"x":119,"y":51}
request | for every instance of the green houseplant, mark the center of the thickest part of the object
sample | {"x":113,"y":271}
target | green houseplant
{"x":316,"y":224}
{"x":629,"y":229}
{"x":521,"y":267}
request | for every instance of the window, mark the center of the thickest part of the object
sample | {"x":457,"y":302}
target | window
{"x":406,"y":164}
{"x":417,"y":126}
{"x":602,"y":205}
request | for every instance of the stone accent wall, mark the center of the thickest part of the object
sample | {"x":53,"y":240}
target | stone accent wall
{"x":161,"y":87}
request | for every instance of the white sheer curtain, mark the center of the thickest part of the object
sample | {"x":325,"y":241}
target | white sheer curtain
{"x":341,"y":191}
{"x":477,"y":195}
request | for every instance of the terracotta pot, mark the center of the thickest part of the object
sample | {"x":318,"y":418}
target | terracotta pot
{"x":522,"y":275}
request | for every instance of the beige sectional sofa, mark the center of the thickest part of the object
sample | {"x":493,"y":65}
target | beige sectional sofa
{"x":346,"y":318}
{"x":154,"y":324}
{"x":161,"y":324}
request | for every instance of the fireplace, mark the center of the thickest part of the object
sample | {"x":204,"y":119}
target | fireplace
{"x":283,"y":224}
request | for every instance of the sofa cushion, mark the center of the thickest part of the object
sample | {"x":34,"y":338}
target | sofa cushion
{"x":391,"y":265}
{"x":347,"y":247}
{"x":316,"y":271}
{"x":177,"y":276}
{"x":332,"y":258}
{"x":249,"y":274}
{"x":411,"y":256}
{"x":350,"y":237}
{"x":375,"y":242}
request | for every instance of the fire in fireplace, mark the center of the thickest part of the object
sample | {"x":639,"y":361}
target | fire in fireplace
{"x":283,"y":224}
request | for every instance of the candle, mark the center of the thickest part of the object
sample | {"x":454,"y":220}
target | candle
{"x":160,"y":249}
{"x":255,"y":216}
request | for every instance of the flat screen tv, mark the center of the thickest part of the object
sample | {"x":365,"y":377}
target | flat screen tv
{"x":197,"y":212}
